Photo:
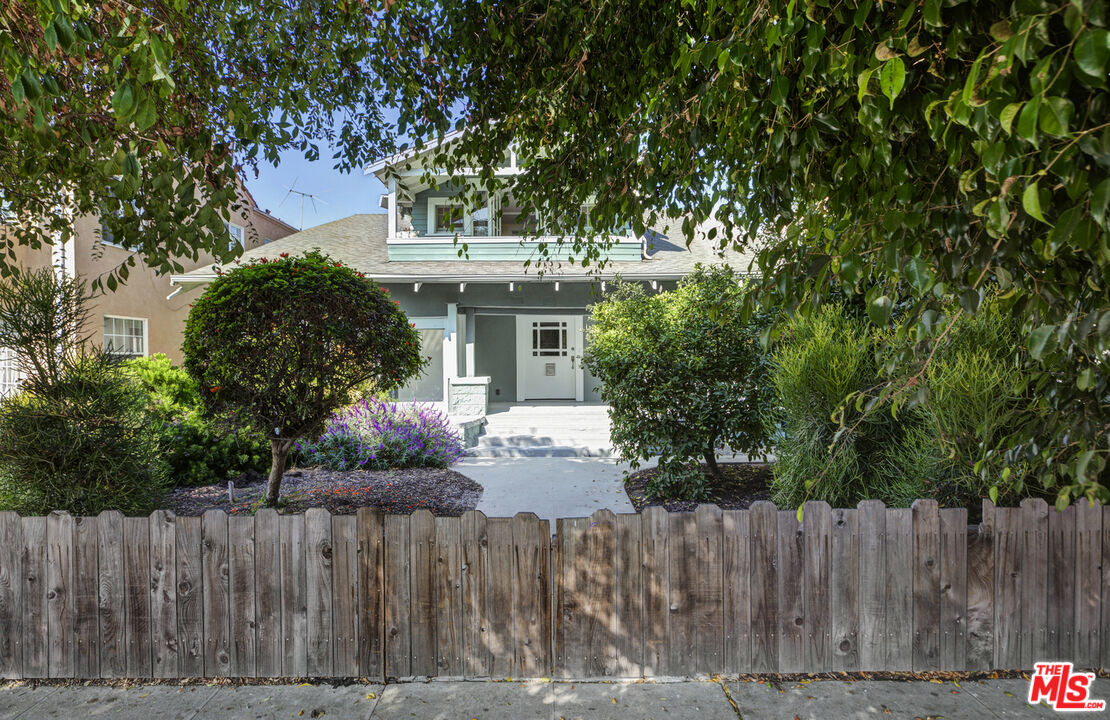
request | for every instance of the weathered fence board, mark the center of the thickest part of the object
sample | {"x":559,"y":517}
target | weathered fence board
{"x":654,"y":594}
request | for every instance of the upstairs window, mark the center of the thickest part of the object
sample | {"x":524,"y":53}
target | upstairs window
{"x":448,"y":219}
{"x":125,"y":337}
{"x":236,"y":233}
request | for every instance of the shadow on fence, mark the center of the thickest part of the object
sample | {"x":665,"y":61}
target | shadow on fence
{"x":654,"y":594}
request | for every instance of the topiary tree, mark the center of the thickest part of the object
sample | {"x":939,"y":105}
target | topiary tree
{"x":683,"y":374}
{"x":285,"y":342}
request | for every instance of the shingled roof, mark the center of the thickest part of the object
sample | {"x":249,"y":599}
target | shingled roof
{"x":359,"y":241}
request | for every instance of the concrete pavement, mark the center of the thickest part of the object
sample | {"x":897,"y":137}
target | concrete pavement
{"x":538,"y":700}
{"x":549,"y":487}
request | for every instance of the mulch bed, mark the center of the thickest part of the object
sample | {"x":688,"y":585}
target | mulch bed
{"x":444,"y":492}
{"x":744,"y":484}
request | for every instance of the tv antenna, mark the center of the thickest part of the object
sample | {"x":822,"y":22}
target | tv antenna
{"x":292,"y":190}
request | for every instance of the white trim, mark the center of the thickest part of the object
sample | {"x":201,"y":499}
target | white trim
{"x":391,"y":208}
{"x":450,"y":344}
{"x":395,"y":158}
{"x":146,"y":332}
{"x":575,"y":325}
{"x":437,"y":238}
{"x":241,"y":241}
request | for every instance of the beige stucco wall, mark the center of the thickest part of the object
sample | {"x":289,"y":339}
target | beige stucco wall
{"x":145,"y":294}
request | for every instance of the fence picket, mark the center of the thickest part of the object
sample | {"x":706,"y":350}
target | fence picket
{"x":817,"y":529}
{"x":980,"y":591}
{"x":85,"y":594}
{"x":294,"y":597}
{"x":112,"y":603}
{"x":926,"y":585}
{"x":422,"y":578}
{"x":709,"y":526}
{"x":11,"y":596}
{"x":1088,"y":596}
{"x":243,"y":609}
{"x":370,"y":619}
{"x":267,"y":587}
{"x":163,"y":594}
{"x":953,"y":589}
{"x":60,"y":602}
{"x":190,"y":596}
{"x":344,"y":538}
{"x":791,"y":549}
{"x":844,"y":585}
{"x":764,"y":587}
{"x":475,"y":588}
{"x":318,"y":578}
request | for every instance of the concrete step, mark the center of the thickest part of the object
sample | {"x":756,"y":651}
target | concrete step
{"x":495,"y":451}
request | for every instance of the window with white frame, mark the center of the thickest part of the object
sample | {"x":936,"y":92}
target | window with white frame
{"x":9,"y":372}
{"x":447,"y":216}
{"x":125,"y":337}
{"x":236,"y":233}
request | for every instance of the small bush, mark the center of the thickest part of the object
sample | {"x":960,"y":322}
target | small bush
{"x":83,"y":442}
{"x":199,"y":449}
{"x":374,"y":434}
{"x":683,"y":374}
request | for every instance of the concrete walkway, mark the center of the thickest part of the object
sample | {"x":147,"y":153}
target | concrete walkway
{"x":538,"y":700}
{"x":549,"y":487}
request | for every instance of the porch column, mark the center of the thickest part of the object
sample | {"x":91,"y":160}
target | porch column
{"x":450,"y":345}
{"x":391,"y":223}
{"x":470,"y":369}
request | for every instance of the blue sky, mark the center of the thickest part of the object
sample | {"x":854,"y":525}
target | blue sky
{"x":337,"y":194}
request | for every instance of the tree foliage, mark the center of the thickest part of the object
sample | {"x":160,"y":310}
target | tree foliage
{"x":284,"y":343}
{"x":915,"y":153}
{"x":683,"y":374}
{"x":144,"y":113}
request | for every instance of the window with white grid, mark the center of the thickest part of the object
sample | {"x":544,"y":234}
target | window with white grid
{"x":236,"y":233}
{"x":125,"y":337}
{"x":9,"y":372}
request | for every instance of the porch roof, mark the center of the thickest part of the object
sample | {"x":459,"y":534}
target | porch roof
{"x":359,"y":241}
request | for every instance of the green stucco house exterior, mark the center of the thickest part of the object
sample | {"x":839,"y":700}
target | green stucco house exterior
{"x":490,"y":325}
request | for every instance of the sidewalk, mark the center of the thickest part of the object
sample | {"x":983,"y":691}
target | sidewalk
{"x":538,"y":700}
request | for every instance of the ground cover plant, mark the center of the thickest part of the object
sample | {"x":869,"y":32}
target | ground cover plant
{"x":285,"y":343}
{"x":376,"y":434}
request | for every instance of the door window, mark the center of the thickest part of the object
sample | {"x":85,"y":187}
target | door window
{"x":549,"y":339}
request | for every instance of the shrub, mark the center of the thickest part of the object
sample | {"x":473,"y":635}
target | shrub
{"x":78,"y":435}
{"x":83,"y":442}
{"x":374,"y":434}
{"x":824,"y":450}
{"x":284,"y":344}
{"x":199,"y":449}
{"x":683,"y":374}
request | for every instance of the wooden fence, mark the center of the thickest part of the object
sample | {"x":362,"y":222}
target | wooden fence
{"x":655,"y":594}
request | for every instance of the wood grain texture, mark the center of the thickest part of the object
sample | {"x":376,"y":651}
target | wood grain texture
{"x":474,"y":589}
{"x":899,"y":589}
{"x":1034,"y":590}
{"x":926,"y":585}
{"x":422,"y":579}
{"x":344,"y":538}
{"x":216,"y":596}
{"x":736,"y":592}
{"x":791,"y":601}
{"x":267,"y":588}
{"x":398,"y":657}
{"x":871,"y":516}
{"x":709,"y":590}
{"x":953,"y":588}
{"x":448,"y":594}
{"x":1061,"y":599}
{"x":112,"y":603}
{"x":86,"y":576}
{"x":294,"y":597}
{"x":682,"y":544}
{"x":189,"y":543}
{"x":1009,"y":576}
{"x":163,"y":594}
{"x":35,"y":637}
{"x":500,"y":637}
{"x":764,"y":587}
{"x":241,"y":582}
{"x":654,"y":528}
{"x":628,"y":627}
{"x":816,"y":570}
{"x":318,"y":573}
{"x":532,"y":596}
{"x":844,"y":584}
{"x":1088,"y":596}
{"x":370,"y":612}
{"x":61,"y":611}
{"x":980,"y":592}
{"x":11,"y":596}
{"x":136,"y":567}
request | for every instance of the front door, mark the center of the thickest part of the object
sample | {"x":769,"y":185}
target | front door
{"x":549,"y":357}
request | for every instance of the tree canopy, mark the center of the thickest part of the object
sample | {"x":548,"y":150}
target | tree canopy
{"x":146,"y":113}
{"x":283,"y":343}
{"x":914,"y":153}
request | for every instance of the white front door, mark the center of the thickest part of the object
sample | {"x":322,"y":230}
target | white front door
{"x":548,"y":349}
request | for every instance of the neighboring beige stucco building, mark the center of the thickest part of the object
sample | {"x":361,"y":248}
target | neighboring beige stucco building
{"x":140,"y":317}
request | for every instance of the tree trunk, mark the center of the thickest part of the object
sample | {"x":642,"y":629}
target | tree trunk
{"x":711,"y":460}
{"x":279,"y":452}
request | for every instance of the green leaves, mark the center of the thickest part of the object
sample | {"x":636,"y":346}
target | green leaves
{"x":1092,"y":51}
{"x":1042,"y":340}
{"x":1031,"y":201}
{"x":123,"y":101}
{"x":892,"y":78}
{"x":919,"y":274}
{"x":879,"y":309}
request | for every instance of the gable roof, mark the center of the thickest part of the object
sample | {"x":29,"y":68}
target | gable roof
{"x":379,"y":165}
{"x":359,"y":241}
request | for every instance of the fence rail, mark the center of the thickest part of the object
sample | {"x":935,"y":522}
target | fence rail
{"x":655,"y":594}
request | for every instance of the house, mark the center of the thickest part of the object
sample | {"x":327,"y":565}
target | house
{"x":146,"y":314}
{"x":490,"y":325}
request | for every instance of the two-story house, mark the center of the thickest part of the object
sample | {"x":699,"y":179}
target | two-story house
{"x":486,"y":319}
{"x":145,"y":315}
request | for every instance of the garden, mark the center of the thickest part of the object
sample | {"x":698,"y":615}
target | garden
{"x":813,"y":404}
{"x":283,"y":402}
